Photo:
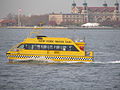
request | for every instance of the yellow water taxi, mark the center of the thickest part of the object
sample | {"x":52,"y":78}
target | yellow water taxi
{"x":50,"y":49}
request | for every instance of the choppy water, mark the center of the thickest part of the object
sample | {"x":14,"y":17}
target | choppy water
{"x":103,"y":74}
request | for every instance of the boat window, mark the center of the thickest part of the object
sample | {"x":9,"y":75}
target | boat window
{"x":58,"y":47}
{"x":36,"y":47}
{"x":28,"y":46}
{"x":48,"y":47}
{"x":44,"y":47}
{"x":21,"y":46}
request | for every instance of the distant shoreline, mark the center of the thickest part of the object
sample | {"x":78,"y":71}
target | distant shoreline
{"x":56,"y":27}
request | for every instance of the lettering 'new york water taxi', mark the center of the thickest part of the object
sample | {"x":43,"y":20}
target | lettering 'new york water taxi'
{"x":50,"y":49}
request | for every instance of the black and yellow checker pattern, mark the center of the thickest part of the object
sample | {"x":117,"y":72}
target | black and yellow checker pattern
{"x":69,"y":58}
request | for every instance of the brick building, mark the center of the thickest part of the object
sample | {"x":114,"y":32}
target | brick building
{"x":86,"y":14}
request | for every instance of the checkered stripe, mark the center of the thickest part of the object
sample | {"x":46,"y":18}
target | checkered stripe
{"x":23,"y":56}
{"x":68,"y":58}
{"x":48,"y":57}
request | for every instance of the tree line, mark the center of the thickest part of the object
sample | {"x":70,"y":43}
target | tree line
{"x":33,"y":20}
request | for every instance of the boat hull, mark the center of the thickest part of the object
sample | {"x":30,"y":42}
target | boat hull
{"x":49,"y":58}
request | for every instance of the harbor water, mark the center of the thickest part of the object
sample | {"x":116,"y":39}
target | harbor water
{"x":102,"y":74}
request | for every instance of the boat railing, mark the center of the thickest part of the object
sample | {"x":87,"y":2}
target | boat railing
{"x":78,"y":39}
{"x":36,"y":31}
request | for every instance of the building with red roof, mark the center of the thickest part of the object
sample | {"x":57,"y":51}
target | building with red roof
{"x":4,"y":22}
{"x":87,"y":14}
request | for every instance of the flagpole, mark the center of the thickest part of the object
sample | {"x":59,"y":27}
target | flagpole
{"x":19,"y":13}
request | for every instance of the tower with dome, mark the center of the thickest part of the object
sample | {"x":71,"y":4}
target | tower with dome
{"x":85,"y":14}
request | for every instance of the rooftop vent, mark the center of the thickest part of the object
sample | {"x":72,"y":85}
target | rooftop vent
{"x":40,"y":37}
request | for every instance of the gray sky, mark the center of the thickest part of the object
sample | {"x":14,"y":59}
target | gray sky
{"x":45,"y":6}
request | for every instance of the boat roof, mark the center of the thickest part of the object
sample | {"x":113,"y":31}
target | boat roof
{"x":48,"y":40}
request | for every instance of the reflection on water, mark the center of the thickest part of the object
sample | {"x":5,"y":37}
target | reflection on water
{"x":102,"y":74}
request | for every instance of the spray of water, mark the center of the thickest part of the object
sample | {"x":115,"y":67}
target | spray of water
{"x":110,"y":62}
